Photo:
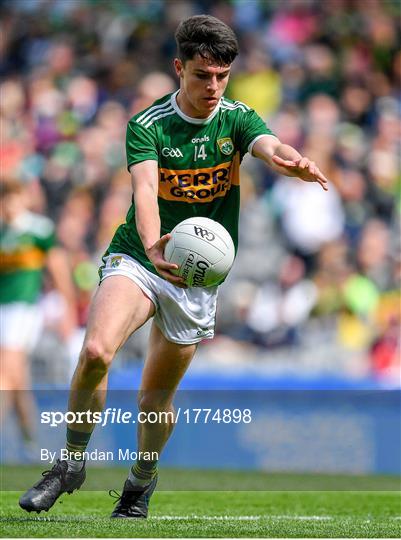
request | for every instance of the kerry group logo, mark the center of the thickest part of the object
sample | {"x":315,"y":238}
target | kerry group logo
{"x":172,"y":152}
{"x":197,"y":185}
{"x":200,"y":185}
{"x":226,"y":146}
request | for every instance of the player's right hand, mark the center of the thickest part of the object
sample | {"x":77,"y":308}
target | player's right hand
{"x":156,"y":256}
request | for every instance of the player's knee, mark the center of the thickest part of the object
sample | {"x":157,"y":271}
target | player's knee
{"x":95,"y":356}
{"x":154,"y":403}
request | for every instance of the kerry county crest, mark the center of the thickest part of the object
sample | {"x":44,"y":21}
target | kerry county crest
{"x":115,"y":261}
{"x":226,"y":146}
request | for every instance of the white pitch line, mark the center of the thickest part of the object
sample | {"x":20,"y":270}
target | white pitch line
{"x":241,"y":518}
{"x":208,"y":518}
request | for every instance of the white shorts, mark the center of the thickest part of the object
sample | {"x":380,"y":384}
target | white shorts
{"x":20,"y":326}
{"x":184,"y":316}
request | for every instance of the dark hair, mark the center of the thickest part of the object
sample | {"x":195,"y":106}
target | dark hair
{"x":207,"y":36}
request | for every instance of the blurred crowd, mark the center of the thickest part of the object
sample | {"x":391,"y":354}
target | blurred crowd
{"x":312,"y":266}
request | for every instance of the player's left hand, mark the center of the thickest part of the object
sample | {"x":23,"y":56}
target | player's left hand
{"x":303,"y":168}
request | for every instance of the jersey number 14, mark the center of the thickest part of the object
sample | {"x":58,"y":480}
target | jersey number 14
{"x":200,"y":152}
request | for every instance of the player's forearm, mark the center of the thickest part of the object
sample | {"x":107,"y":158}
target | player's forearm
{"x":269,"y":146}
{"x":144,"y":179}
{"x":285,"y":151}
{"x":147,"y":219}
{"x":59,"y":269}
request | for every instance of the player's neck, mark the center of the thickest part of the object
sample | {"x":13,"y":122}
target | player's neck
{"x":186,"y":107}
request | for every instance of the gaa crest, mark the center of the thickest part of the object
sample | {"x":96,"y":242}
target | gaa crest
{"x":226,"y":146}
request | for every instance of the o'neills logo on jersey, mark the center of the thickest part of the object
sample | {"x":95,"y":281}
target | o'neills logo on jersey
{"x":198,"y":185}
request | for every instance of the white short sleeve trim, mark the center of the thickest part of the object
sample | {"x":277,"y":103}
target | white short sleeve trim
{"x":250,"y":146}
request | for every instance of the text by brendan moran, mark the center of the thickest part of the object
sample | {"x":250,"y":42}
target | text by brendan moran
{"x":122,"y":454}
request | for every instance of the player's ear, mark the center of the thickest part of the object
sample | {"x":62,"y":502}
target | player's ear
{"x":178,"y":66}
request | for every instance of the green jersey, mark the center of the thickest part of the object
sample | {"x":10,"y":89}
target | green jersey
{"x":198,"y":162}
{"x":23,"y":247}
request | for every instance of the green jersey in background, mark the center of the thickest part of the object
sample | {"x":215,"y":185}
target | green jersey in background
{"x":23,"y":248}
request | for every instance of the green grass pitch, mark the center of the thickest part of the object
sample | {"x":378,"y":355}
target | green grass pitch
{"x":279,"y":512}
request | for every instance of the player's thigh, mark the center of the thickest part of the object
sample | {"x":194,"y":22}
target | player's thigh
{"x":118,"y":308}
{"x":14,"y":369}
{"x":165,"y":365}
